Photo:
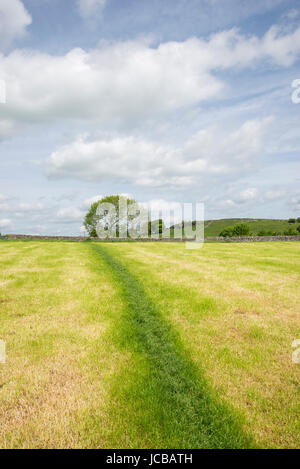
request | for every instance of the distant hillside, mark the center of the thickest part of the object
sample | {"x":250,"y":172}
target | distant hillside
{"x":214,"y":227}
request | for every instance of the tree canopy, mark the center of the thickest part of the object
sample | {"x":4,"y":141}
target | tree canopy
{"x":241,"y":229}
{"x":105,"y":220}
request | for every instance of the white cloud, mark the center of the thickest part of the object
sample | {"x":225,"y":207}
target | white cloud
{"x":117,"y":81}
{"x":212,"y":151}
{"x":126,"y":158}
{"x":5,"y":223}
{"x":129,"y":82}
{"x":248,"y":195}
{"x":87,"y":8}
{"x":274,"y":195}
{"x":4,"y":207}
{"x":3,"y":197}
{"x":75,"y":213}
{"x":70,"y":214}
{"x":292,"y":14}
{"x":233,"y":199}
{"x":295,"y":202}
{"x":88,"y":202}
{"x":30,"y":207}
{"x":6,"y":128}
{"x":14,"y":19}
{"x":5,"y":203}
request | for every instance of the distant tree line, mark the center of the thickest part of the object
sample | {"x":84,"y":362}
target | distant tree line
{"x":243,"y":229}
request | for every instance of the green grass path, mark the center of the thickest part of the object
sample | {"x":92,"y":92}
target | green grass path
{"x":161,"y":399}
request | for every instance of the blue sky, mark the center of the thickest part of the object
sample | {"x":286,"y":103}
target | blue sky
{"x":168,"y":101}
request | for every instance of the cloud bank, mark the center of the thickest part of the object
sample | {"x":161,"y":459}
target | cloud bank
{"x":210,"y":152}
{"x":132,"y":81}
{"x":14,"y":19}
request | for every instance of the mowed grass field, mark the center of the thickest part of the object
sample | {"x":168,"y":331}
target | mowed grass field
{"x":149,"y":345}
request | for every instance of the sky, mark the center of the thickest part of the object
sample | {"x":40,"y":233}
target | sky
{"x":168,"y":101}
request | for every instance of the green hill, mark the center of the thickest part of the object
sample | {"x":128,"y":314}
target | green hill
{"x":214,"y":227}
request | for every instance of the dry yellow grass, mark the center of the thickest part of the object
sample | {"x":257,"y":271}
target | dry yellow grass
{"x":68,"y":379}
{"x":54,"y":317}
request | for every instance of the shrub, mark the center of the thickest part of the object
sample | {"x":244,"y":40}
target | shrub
{"x":298,"y":228}
{"x":241,"y":229}
{"x":269,"y":233}
{"x":227,"y":233}
{"x":292,"y":220}
{"x":290,"y":232}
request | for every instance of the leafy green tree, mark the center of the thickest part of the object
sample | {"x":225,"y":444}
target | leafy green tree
{"x":292,"y":220}
{"x":267,"y":233}
{"x":241,"y":229}
{"x":227,"y":232}
{"x":156,"y":226}
{"x":262,"y":233}
{"x":298,"y":228}
{"x":172,"y":231}
{"x":92,"y":219}
{"x":290,"y":232}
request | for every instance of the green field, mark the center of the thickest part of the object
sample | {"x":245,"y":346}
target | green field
{"x":149,"y":345}
{"x":214,"y":227}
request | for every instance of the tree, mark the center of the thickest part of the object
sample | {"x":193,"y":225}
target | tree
{"x":268,"y":233}
{"x":298,"y":228}
{"x":292,"y":220}
{"x":241,"y":229}
{"x":156,"y":226}
{"x":227,"y":232}
{"x":108,"y":222}
{"x":290,"y":232}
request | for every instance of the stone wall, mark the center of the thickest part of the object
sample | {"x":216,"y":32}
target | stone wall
{"x":241,"y":239}
{"x":251,"y":239}
{"x":46,"y":238}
